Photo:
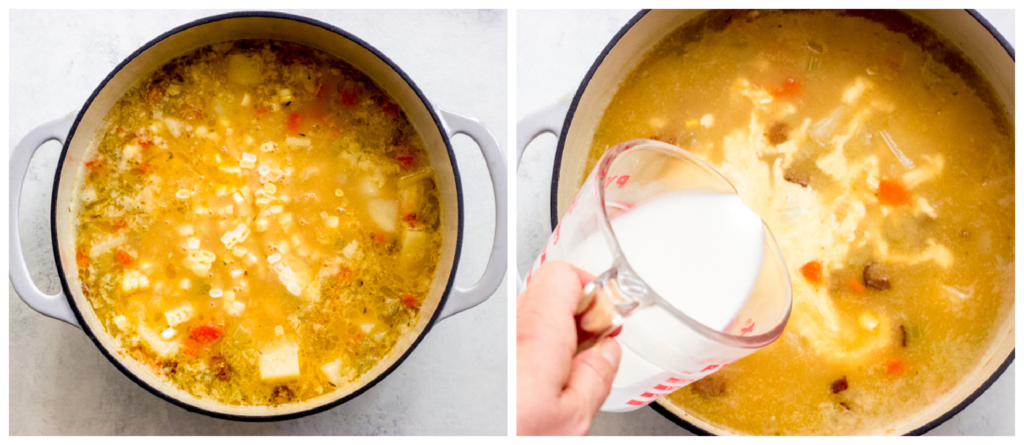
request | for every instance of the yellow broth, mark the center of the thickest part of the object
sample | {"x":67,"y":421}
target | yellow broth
{"x":808,"y":114}
{"x":258,"y":223}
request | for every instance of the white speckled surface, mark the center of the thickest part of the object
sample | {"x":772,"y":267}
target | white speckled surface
{"x":555,"y":49}
{"x":453,"y":383}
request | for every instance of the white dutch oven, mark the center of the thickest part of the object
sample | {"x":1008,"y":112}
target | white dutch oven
{"x":575,"y":125}
{"x":435,"y":126}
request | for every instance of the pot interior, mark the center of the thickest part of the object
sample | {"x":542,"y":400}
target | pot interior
{"x":259,"y":27}
{"x":620,"y":58}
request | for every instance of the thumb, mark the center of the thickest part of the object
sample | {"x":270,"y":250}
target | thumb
{"x":593,"y":371}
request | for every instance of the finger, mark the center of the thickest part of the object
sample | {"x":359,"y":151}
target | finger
{"x":560,"y":283}
{"x":593,"y":371}
{"x":545,"y":327}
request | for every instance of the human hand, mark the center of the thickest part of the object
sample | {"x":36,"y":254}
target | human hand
{"x":557,"y":391}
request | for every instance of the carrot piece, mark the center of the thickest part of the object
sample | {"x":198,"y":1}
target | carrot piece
{"x":812,"y":271}
{"x":294,"y":120}
{"x":409,"y":300}
{"x":262,"y":110}
{"x":206,"y":333}
{"x":891,"y":192}
{"x":344,"y":274}
{"x":378,"y":236}
{"x":94,"y":164}
{"x":81,"y":259}
{"x":348,"y":98}
{"x":895,"y":366}
{"x":856,"y":287}
{"x":124,"y":258}
{"x":410,"y":218}
{"x":406,"y":162}
{"x":790,"y":87}
{"x":191,"y":347}
{"x":120,"y":224}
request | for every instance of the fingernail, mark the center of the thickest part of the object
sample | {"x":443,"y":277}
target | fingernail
{"x":610,"y":352}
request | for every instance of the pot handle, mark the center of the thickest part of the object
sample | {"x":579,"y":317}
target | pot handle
{"x":545,"y":120}
{"x":54,"y":306}
{"x":461,"y":298}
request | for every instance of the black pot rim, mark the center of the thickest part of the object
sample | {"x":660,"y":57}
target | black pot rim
{"x":313,"y":409}
{"x":554,"y":218}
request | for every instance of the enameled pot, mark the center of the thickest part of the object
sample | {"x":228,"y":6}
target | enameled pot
{"x":435,"y":126}
{"x":576,"y":123}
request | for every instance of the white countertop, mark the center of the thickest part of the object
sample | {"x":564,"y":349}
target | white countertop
{"x":555,"y":49}
{"x":455,"y":380}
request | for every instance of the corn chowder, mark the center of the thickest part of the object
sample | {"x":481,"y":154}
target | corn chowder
{"x":885,"y":169}
{"x":258,"y":223}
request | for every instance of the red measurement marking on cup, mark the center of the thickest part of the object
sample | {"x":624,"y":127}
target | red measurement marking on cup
{"x":650,"y":395}
{"x":747,"y":328}
{"x":572,"y":205}
{"x":637,"y":402}
{"x":666,"y":388}
{"x":558,"y":229}
{"x":679,"y":381}
{"x":617,"y":180}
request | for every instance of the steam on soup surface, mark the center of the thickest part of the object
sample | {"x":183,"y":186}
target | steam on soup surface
{"x":258,"y":223}
{"x":887,"y":178}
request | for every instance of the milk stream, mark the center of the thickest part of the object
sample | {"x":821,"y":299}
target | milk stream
{"x":701,"y":252}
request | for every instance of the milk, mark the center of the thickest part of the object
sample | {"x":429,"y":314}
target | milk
{"x":701,"y":253}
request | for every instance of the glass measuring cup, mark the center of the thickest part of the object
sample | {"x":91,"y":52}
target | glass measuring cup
{"x":664,"y":348}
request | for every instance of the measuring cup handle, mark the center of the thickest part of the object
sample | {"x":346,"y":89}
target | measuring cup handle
{"x":601,"y":311}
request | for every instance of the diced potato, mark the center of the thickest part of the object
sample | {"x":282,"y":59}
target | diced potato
{"x":168,"y":333}
{"x":173,"y":125}
{"x":368,"y":188}
{"x":236,"y":308}
{"x":185,"y":230}
{"x":298,"y":142}
{"x":350,"y":249}
{"x":868,"y":321}
{"x":244,"y":69}
{"x":384,"y":212}
{"x":163,"y":349}
{"x":333,"y":372}
{"x":413,"y":247}
{"x":121,"y":322}
{"x":179,"y":315}
{"x":279,"y":362}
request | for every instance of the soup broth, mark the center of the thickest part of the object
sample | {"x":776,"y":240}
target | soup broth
{"x":258,"y":223}
{"x":885,"y":169}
